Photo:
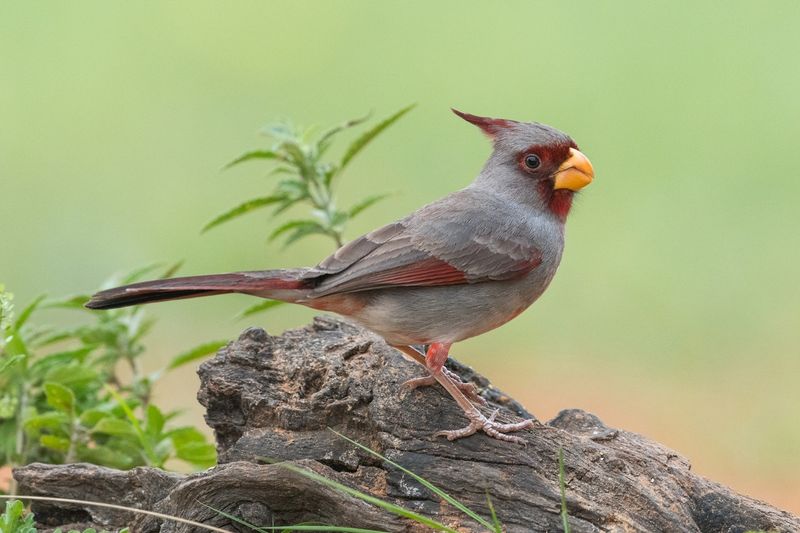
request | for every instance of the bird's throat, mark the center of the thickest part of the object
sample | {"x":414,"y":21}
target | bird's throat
{"x":561,"y":203}
{"x":558,"y":201}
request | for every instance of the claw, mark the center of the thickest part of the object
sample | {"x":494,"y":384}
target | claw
{"x":490,"y":427}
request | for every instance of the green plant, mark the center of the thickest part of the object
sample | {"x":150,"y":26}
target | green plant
{"x":309,"y":181}
{"x":17,"y":509}
{"x":63,"y":398}
{"x":15,"y":519}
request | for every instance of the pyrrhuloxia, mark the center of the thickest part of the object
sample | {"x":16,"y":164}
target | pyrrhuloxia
{"x":456,"y":268}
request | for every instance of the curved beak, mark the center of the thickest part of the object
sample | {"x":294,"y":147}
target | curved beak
{"x":575,"y":173}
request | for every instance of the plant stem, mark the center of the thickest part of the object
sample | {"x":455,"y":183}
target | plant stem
{"x":73,"y":437}
{"x":20,"y":434}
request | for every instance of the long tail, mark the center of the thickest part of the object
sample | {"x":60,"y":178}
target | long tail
{"x":277,"y":284}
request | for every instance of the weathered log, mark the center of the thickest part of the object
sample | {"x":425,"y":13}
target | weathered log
{"x":277,"y":397}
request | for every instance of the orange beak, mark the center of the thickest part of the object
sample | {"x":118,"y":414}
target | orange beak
{"x":575,"y":173}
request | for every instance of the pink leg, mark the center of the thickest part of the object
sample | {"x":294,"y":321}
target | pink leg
{"x":434,"y":361}
{"x":467,"y":388}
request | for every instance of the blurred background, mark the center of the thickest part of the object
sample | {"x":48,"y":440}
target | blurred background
{"x":676,"y":311}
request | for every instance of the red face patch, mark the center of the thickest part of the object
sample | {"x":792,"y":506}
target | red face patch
{"x":550,"y":158}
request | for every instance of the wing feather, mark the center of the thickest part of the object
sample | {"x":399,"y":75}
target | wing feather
{"x":453,"y":241}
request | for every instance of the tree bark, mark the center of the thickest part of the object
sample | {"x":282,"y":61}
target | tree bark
{"x":276,"y":398}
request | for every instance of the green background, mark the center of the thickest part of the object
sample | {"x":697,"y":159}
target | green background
{"x":676,"y":311}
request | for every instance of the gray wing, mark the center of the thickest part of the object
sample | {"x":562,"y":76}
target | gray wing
{"x":466,"y":237}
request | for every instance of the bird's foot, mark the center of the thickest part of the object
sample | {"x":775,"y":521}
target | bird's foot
{"x":496,"y":430}
{"x":469,"y":389}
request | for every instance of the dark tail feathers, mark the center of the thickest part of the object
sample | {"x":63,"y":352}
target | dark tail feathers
{"x":262,"y":281}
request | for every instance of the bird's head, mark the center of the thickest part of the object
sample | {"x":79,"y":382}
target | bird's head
{"x":536,"y":164}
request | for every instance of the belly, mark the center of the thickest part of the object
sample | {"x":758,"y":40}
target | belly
{"x":417,"y":315}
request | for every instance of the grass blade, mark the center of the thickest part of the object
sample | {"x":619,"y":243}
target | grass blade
{"x":430,"y":486}
{"x":562,"y":484}
{"x":392,"y":508}
{"x":366,"y":137}
{"x":498,"y":527}
{"x":241,"y":209}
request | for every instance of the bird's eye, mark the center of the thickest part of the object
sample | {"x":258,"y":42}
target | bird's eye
{"x":532,"y":161}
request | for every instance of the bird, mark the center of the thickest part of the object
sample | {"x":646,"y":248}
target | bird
{"x":455,"y":268}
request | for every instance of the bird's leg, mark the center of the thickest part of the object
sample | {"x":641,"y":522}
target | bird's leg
{"x":468,"y":389}
{"x":434,"y":361}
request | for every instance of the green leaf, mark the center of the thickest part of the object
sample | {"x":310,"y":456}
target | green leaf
{"x":15,"y":520}
{"x":172,"y":269}
{"x":258,"y":308}
{"x":154,"y":421}
{"x":281,"y":170}
{"x":75,"y":375}
{"x":249,"y":156}
{"x":59,"y":444}
{"x":72,"y":302}
{"x":201,"y":454}
{"x":105,"y":456}
{"x":293,"y":224}
{"x":242,"y":209}
{"x":286,"y":204}
{"x":292,"y":189}
{"x":116,"y":427}
{"x":198,"y":352}
{"x":369,"y":135}
{"x":299,"y":229}
{"x":52,"y":420}
{"x":91,"y":417}
{"x":298,"y":156}
{"x":367,"y":202}
{"x":139,"y":273}
{"x":27,"y":312}
{"x":41,"y":366}
{"x":325,"y":139}
{"x":59,"y":397}
{"x":6,"y":364}
{"x":8,"y":409}
{"x":300,"y":233}
{"x":53,"y":337}
{"x":185,"y":435}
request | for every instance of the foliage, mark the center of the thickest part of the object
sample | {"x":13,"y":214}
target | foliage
{"x":308,"y":180}
{"x":63,"y":398}
{"x":15,"y":519}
